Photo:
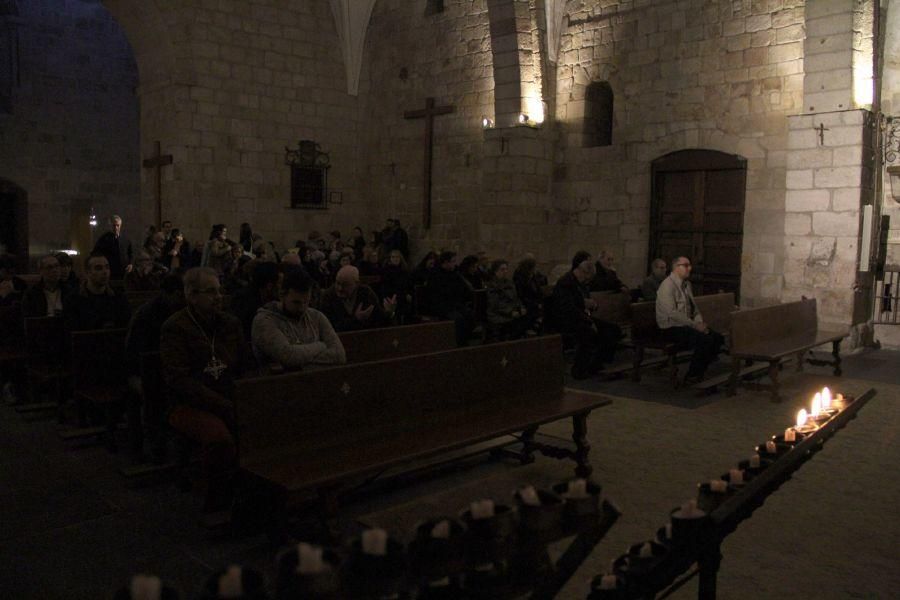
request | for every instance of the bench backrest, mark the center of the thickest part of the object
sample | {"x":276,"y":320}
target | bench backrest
{"x":758,"y":325}
{"x":716,"y":310}
{"x":98,"y":357}
{"x":45,"y":337}
{"x":138,"y":299}
{"x":643,"y":321}
{"x":316,"y":410}
{"x":612,"y":307}
{"x":394,"y":342}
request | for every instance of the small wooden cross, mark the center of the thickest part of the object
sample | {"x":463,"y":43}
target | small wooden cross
{"x":345,"y":389}
{"x":430,"y":112}
{"x":158,"y":161}
{"x":821,"y":129}
{"x":504,"y":362}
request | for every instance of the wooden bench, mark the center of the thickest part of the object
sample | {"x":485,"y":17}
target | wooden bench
{"x":45,"y":339}
{"x":774,"y":333}
{"x":318,"y":430}
{"x":138,"y":299}
{"x":393,"y":342}
{"x":612,"y":307}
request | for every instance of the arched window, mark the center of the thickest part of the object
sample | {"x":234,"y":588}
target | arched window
{"x":598,"y":114}
{"x":9,"y":59}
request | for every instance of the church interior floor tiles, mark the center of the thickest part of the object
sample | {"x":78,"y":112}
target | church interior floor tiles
{"x":71,"y":528}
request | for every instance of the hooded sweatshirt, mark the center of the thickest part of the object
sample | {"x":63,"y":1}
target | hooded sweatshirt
{"x":295,"y":343}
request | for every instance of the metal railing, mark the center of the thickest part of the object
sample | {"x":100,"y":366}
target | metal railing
{"x":887,"y":298}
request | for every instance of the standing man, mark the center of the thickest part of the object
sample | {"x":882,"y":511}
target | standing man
{"x":116,"y":249}
{"x":681,"y":322}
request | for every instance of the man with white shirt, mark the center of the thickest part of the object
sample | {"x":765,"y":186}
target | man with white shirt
{"x":45,"y":298}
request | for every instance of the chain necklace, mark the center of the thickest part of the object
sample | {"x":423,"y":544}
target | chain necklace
{"x":214,"y":368}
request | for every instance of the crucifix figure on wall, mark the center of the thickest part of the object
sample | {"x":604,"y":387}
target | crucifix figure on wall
{"x":158,"y":161}
{"x":429,"y":113}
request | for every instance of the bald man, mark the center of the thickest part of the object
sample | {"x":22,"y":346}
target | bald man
{"x":350,"y":305}
{"x":651,"y":284}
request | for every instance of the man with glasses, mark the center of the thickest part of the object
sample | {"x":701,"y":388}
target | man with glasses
{"x":681,"y":322}
{"x":45,"y":298}
{"x":200,"y":349}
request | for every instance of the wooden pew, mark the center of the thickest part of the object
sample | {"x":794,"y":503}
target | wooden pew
{"x":45,"y":339}
{"x":13,"y":353}
{"x":317,"y":430}
{"x":774,"y":333}
{"x":138,"y":299}
{"x":612,"y":307}
{"x":394,"y":342}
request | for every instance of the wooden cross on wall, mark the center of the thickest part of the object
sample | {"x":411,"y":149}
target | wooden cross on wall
{"x":158,"y":161}
{"x":430,"y":112}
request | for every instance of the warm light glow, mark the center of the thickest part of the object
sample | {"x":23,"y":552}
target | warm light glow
{"x":801,"y":417}
{"x":487,"y":123}
{"x":69,"y":251}
{"x":535,"y":108}
{"x":863,"y":85}
{"x":826,"y":398}
{"x":816,"y":405}
{"x":92,"y":220}
{"x":523,"y":119}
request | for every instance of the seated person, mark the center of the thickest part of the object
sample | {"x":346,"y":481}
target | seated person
{"x":200,"y":348}
{"x":396,"y":282}
{"x":651,"y":284}
{"x":145,"y":275}
{"x":263,"y":288}
{"x":505,"y":312}
{"x":67,"y":277}
{"x":529,"y":288}
{"x":143,"y":337}
{"x":572,"y":305}
{"x":606,"y":279}
{"x":46,"y":297}
{"x":470,"y":272}
{"x":292,"y":335}
{"x":449,"y":296}
{"x":350,"y":305}
{"x":11,"y":285}
{"x":681,"y":322}
{"x":95,"y":305}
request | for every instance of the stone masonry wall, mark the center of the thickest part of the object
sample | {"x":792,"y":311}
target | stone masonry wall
{"x":71,"y":141}
{"x":690,"y":74}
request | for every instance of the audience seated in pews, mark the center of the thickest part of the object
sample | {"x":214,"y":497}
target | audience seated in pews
{"x":506,"y":314}
{"x":529,"y":283}
{"x":290,"y":334}
{"x":217,"y":250}
{"x":350,"y":305}
{"x":95,"y":305}
{"x":233,"y":277}
{"x":681,"y":322}
{"x":358,"y":243}
{"x":145,"y":276}
{"x":606,"y":279}
{"x":201,"y":351}
{"x":46,"y":297}
{"x":394,"y":237}
{"x":245,"y":238}
{"x":177,"y":252}
{"x":262,"y":289}
{"x":116,"y":248}
{"x":449,"y":295}
{"x":143,"y":337}
{"x":470,"y":272}
{"x":396,"y":283}
{"x":11,"y":286}
{"x":155,"y":246}
{"x":651,"y":284}
{"x":67,"y":277}
{"x":419,"y":275}
{"x":572,"y":305}
{"x":368,"y":266}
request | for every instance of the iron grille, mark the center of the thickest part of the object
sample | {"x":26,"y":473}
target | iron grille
{"x":887,"y":298}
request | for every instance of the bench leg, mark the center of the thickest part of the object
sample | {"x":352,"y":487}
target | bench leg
{"x":800,"y":358}
{"x":708,"y":562}
{"x":773,"y":375}
{"x":735,"y":375}
{"x":582,"y":446}
{"x":638,"y":359}
{"x":836,"y":353}
{"x":673,"y":368}
{"x":528,"y":446}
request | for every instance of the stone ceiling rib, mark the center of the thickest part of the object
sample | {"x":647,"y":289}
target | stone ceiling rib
{"x":351,"y":19}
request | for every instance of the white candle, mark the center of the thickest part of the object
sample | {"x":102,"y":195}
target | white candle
{"x":146,"y":587}
{"x":736,"y":476}
{"x":718,"y":486}
{"x":374,"y":542}
{"x":790,"y":435}
{"x":309,"y":559}
{"x":608,"y":582}
{"x":816,"y":405}
{"x":577,"y":488}
{"x":231,"y":584}
{"x":441,"y":531}
{"x":826,"y":398}
{"x":529,"y":496}
{"x":646,"y":550}
{"x":839,"y":397}
{"x":802,"y":417}
{"x":754,"y":461}
{"x":482,"y":509}
{"x":689,"y":510}
{"x":770,"y":447}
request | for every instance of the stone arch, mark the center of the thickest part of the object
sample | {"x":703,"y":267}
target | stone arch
{"x":150,"y":38}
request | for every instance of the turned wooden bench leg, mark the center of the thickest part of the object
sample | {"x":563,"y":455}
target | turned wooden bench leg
{"x":774,"y":367}
{"x":836,"y":353}
{"x":582,"y":446}
{"x":735,"y":375}
{"x":528,"y":447}
{"x":638,"y":359}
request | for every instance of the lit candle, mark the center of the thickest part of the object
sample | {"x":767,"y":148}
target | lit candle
{"x":816,"y":406}
{"x":231,"y":584}
{"x":771,"y":448}
{"x":790,"y":435}
{"x":754,"y":461}
{"x":441,"y":531}
{"x":801,"y":418}
{"x":374,"y":542}
{"x":309,"y":559}
{"x":718,"y":486}
{"x":577,"y":488}
{"x":736,"y":476}
{"x":482,"y":509}
{"x":529,"y":496}
{"x":826,"y":398}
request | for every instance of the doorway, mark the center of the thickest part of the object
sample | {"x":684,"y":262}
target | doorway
{"x":697,"y":210}
{"x":14,"y":222}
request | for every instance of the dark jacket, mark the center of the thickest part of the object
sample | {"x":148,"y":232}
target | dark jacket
{"x":342,"y":320}
{"x":185,"y":353}
{"x":529,"y":292}
{"x":502,"y":301}
{"x":605,"y":280}
{"x":568,"y":304}
{"x":244,"y":304}
{"x":34,"y":301}
{"x":144,"y":331}
{"x":447,"y":292}
{"x":84,"y":311}
{"x":117,"y":251}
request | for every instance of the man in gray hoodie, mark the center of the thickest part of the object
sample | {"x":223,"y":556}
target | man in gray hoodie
{"x":288,"y":334}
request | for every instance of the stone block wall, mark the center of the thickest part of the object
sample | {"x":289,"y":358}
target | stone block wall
{"x":717,"y":75}
{"x":71,"y":140}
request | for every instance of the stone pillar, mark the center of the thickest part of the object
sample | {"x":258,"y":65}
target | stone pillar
{"x":517,"y":73}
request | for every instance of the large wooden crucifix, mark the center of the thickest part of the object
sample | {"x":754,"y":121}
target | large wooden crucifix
{"x":158,"y":161}
{"x":430,"y":112}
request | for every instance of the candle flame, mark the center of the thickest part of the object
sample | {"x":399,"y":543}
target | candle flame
{"x":826,"y":398}
{"x":816,"y":405}
{"x":801,"y":417}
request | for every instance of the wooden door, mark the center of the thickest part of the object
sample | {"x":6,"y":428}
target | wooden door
{"x":698,"y":211}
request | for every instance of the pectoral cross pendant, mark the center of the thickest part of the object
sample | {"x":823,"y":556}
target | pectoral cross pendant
{"x":215,"y":368}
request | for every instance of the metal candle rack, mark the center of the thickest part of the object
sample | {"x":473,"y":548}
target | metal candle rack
{"x":700,"y":555}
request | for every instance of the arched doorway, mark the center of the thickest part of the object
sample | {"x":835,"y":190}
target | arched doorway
{"x":697,"y":210}
{"x":14,"y":221}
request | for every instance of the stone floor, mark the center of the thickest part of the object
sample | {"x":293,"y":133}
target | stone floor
{"x":70,"y":527}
